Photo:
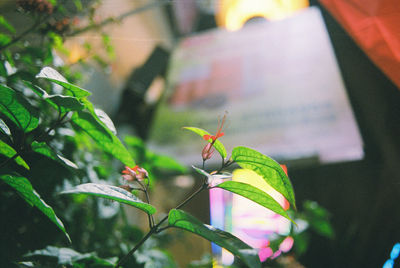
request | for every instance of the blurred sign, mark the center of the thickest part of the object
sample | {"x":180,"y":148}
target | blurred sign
{"x":279,"y":82}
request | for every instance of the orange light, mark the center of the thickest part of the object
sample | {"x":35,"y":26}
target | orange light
{"x":233,"y":14}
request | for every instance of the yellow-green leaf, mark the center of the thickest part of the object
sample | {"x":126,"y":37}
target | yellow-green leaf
{"x":217,"y":144}
{"x":8,"y":151}
{"x":267,"y":168}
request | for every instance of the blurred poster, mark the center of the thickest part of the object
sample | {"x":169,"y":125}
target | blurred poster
{"x":280,"y":84}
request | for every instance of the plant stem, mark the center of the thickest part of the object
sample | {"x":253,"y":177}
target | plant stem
{"x":130,"y":253}
{"x":155,"y":228}
{"x":150,"y":217}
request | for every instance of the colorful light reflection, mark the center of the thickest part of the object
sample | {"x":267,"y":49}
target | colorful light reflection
{"x":247,"y":220}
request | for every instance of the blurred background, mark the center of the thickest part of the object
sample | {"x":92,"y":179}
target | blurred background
{"x":314,"y":84}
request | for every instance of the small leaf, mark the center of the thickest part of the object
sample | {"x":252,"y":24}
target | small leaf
{"x":61,"y":102}
{"x":112,"y":192}
{"x":9,"y":152}
{"x":4,"y":39}
{"x":267,"y":168}
{"x":183,"y":220}
{"x":212,"y":179}
{"x":25,"y":189}
{"x":17,"y":109}
{"x":201,"y":171}
{"x":217,"y":144}
{"x":255,"y":195}
{"x":4,"y":128}
{"x":54,"y":76}
{"x":5,"y":24}
{"x":44,"y":149}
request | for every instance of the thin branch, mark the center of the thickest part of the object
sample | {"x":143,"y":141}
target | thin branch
{"x":120,"y":17}
{"x":130,"y":253}
{"x":150,"y":217}
{"x":57,"y":123}
{"x":156,"y":228}
{"x":31,"y":29}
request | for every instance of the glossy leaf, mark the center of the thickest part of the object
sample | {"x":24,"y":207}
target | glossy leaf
{"x":106,"y":120}
{"x":267,"y":168}
{"x":9,"y":152}
{"x":183,"y":220}
{"x":44,"y":149}
{"x":254,"y":194}
{"x":217,"y":144}
{"x":26,"y":191}
{"x":4,"y":128}
{"x":63,"y":103}
{"x":102,"y":136}
{"x":17,"y":109}
{"x":113,"y":193}
{"x":52,"y":75}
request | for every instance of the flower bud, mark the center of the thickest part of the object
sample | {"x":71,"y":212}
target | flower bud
{"x":207,"y":152}
{"x":142,"y":174}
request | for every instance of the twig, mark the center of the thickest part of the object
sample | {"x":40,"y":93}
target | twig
{"x":31,"y":29}
{"x":120,"y":17}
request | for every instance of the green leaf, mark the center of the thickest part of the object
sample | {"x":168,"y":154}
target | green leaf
{"x":5,"y":24}
{"x":4,"y":128}
{"x":102,"y":136}
{"x":267,"y":168}
{"x":61,"y":102}
{"x":9,"y":152}
{"x":111,"y":192}
{"x":17,"y":109}
{"x":44,"y":149}
{"x":54,"y":76}
{"x":4,"y":39}
{"x":185,"y":221}
{"x":255,"y":195}
{"x":26,"y":191}
{"x":217,"y":144}
{"x":67,"y":256}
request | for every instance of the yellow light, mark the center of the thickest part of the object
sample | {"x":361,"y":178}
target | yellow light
{"x":76,"y":53}
{"x":233,"y":14}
